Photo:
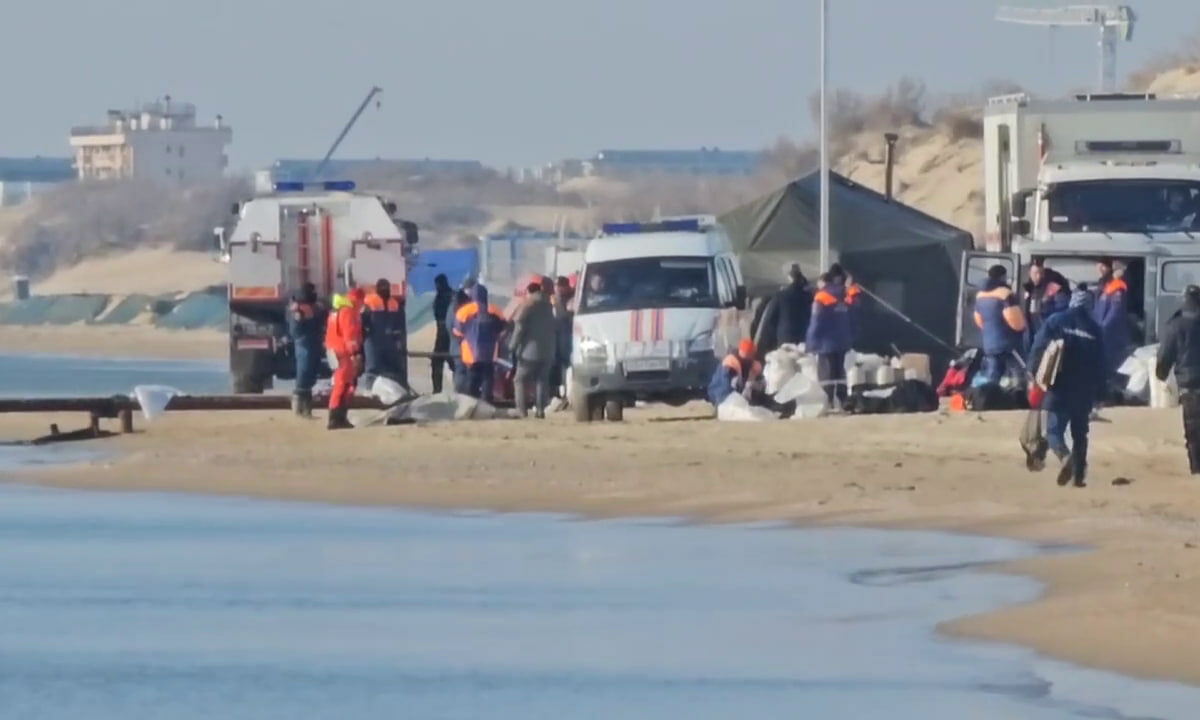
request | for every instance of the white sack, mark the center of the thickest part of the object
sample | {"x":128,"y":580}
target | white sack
{"x":153,"y":399}
{"x":736,"y":409}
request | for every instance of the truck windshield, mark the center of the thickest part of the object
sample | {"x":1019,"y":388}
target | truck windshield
{"x":1138,"y":206}
{"x":651,"y":282}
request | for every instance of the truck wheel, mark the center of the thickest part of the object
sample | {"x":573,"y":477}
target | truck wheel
{"x":247,"y":385}
{"x":614,"y":409}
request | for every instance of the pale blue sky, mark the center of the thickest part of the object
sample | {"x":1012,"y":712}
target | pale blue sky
{"x":512,"y":82}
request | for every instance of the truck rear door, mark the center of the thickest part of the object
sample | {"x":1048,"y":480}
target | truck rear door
{"x":373,"y":259}
{"x":255,"y":270}
{"x":1175,"y":273}
{"x":972,"y":276}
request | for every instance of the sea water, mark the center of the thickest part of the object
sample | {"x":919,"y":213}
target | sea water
{"x":64,"y":375}
{"x":173,"y":607}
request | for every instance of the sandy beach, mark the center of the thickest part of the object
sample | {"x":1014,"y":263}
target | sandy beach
{"x":1127,"y":605}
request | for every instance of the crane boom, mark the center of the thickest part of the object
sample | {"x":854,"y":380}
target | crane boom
{"x":1115,"y":22}
{"x":346,"y":130}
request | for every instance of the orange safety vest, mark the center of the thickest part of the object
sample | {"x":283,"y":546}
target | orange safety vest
{"x":734,"y":362}
{"x":375,"y":303}
{"x":1115,"y":285}
{"x":343,"y":333}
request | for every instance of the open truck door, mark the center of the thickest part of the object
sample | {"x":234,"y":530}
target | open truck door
{"x":971,"y":278}
{"x":372,"y":259}
{"x":1175,"y":273}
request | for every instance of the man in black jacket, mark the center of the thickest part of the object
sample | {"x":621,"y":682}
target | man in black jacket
{"x":441,"y":342}
{"x":1179,"y":349}
{"x":786,"y":317}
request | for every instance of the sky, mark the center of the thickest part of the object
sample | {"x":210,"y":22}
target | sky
{"x":516,"y":82}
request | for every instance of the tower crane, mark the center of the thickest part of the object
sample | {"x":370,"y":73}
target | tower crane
{"x":1115,"y":22}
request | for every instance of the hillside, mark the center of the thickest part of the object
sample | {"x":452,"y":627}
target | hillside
{"x":939,"y":167}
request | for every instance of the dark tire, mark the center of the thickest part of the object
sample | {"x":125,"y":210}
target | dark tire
{"x":614,"y":409}
{"x":247,"y":385}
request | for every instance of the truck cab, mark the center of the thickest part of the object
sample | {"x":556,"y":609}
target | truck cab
{"x":321,"y":232}
{"x":658,"y":305}
{"x":1073,"y":181}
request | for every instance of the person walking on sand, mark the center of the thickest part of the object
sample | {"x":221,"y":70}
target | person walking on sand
{"x":344,"y":343}
{"x":1179,"y":350}
{"x":1079,"y":382}
{"x":534,"y":346}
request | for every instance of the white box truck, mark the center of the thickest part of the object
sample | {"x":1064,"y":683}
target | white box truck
{"x":1075,"y":180}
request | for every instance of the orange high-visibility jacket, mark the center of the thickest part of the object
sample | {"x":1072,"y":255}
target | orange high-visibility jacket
{"x":344,"y":332}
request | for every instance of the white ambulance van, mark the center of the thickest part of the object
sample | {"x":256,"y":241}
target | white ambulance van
{"x":658,"y":305}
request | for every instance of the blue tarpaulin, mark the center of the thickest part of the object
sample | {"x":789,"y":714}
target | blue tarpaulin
{"x":53,"y":310}
{"x":456,"y":264}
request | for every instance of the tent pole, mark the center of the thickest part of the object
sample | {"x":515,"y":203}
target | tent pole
{"x":824,"y":137}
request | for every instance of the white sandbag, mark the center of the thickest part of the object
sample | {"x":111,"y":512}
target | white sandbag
{"x":468,"y":408}
{"x":868,"y":363}
{"x":809,"y":410}
{"x":736,"y":409}
{"x":388,"y":391}
{"x":779,"y":367}
{"x":1164,"y":394}
{"x":801,"y":389}
{"x":153,"y":399}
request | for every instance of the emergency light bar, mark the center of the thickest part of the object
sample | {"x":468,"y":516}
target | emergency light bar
{"x":633,"y":228}
{"x":328,"y":186}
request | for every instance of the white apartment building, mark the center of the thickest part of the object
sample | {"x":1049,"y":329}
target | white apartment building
{"x":160,"y":142}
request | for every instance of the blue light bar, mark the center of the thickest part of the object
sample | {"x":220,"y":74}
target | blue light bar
{"x":289,"y":186}
{"x":339,"y":185}
{"x":634,"y":228}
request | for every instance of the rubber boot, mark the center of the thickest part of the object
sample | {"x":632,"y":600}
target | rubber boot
{"x":298,"y":405}
{"x":338,"y":420}
{"x":1066,"y":470}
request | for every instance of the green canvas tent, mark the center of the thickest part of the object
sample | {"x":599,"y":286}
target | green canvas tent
{"x":899,"y":254}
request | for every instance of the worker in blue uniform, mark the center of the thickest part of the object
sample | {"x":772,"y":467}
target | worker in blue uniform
{"x":306,"y":327}
{"x":1078,"y":384}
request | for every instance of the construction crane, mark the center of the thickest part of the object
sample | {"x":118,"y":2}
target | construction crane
{"x":346,"y":130}
{"x":1114,"y":21}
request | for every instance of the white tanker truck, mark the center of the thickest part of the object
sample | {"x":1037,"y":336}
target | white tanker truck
{"x":321,"y":232}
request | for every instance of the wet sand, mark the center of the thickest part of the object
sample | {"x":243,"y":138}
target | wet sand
{"x":1128,"y":605}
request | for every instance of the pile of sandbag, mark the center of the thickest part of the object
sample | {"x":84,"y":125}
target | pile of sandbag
{"x":790,"y":375}
{"x":1143,"y":385}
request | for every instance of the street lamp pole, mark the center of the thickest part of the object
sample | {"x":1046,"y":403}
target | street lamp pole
{"x":824,"y":254}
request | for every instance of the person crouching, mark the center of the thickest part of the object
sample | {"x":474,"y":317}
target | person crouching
{"x":739,"y":372}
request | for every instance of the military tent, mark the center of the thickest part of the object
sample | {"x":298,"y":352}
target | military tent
{"x":902,"y":256}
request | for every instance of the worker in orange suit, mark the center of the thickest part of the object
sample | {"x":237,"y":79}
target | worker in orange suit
{"x":344,"y":344}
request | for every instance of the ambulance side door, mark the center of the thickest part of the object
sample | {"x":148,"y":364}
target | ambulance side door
{"x":1175,"y":273}
{"x":971,"y":278}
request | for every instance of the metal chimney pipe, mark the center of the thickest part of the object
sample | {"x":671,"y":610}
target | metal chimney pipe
{"x":889,"y":162}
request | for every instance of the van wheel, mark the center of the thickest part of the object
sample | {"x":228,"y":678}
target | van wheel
{"x":614,"y":409}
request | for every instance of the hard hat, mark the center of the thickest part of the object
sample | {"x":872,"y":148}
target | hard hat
{"x":746,"y":348}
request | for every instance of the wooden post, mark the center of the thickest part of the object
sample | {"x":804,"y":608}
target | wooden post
{"x":127,"y":420}
{"x":94,"y":424}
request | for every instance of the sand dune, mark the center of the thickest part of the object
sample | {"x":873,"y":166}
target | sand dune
{"x":152,"y":271}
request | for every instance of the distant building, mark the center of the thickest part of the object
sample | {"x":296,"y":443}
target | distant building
{"x":22,"y":178}
{"x":160,"y":142}
{"x":304,"y":169}
{"x":705,"y":161}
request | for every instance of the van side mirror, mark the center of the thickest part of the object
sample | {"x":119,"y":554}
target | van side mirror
{"x":219,"y":239}
{"x":237,"y":208}
{"x":739,"y":297}
{"x":1020,"y":226}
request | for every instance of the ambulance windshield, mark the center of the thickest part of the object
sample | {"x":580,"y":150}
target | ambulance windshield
{"x":1125,"y":206}
{"x":650,"y":282}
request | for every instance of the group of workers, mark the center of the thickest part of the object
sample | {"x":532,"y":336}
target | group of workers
{"x":361,"y":334}
{"x":1089,"y":332}
{"x":365,"y":335}
{"x":1089,"y":329}
{"x":821,"y":319}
